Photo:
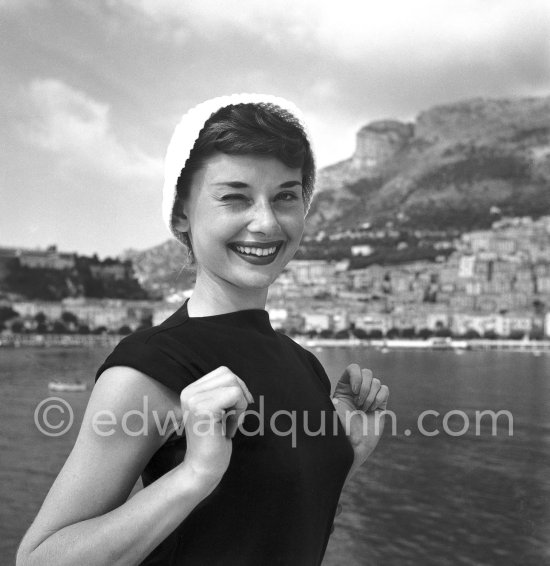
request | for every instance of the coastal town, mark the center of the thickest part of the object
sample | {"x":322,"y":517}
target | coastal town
{"x":489,"y":284}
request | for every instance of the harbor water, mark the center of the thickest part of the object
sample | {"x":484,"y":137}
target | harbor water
{"x":444,"y":487}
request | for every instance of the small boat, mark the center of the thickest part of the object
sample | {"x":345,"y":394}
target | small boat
{"x":57,"y":385}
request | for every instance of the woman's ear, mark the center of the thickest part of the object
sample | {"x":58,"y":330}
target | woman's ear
{"x":179,"y":218}
{"x":181,"y":223}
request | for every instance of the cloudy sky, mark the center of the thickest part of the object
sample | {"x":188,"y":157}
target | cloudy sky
{"x":90,"y":90}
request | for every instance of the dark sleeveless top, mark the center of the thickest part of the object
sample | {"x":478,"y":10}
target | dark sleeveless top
{"x":275,"y":504}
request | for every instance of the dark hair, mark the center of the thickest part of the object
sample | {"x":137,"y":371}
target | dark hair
{"x":251,"y":129}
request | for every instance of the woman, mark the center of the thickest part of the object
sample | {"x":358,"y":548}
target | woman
{"x":242,"y":452}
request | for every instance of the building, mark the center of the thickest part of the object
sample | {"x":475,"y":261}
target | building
{"x":361,"y":250}
{"x":317,"y":321}
{"x":373,"y":322}
{"x":115,"y":271}
{"x":311,"y":271}
{"x":49,"y":258}
{"x":29,"y":309}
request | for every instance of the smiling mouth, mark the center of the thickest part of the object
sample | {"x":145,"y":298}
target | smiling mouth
{"x":261,"y":250}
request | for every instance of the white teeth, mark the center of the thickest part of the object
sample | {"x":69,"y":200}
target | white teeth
{"x":257,"y":251}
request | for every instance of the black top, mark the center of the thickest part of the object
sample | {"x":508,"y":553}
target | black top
{"x":276,"y":502}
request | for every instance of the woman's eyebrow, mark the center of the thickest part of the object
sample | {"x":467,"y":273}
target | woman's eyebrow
{"x":232,"y":184}
{"x":241,"y":185}
{"x":290,"y":184}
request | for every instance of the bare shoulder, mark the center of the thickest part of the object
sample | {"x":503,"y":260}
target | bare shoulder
{"x":118,"y":436}
{"x":121,"y":389}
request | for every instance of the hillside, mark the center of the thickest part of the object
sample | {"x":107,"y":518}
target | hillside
{"x":160,"y":269}
{"x":444,"y":171}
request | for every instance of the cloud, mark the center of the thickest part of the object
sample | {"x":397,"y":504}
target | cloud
{"x":360,"y":58}
{"x":15,"y":5}
{"x":78,"y":129}
{"x":356,"y":28}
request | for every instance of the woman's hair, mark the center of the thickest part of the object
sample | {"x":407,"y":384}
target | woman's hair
{"x":250,"y":129}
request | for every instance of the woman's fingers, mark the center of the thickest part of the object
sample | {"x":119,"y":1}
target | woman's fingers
{"x":374,"y":388}
{"x":369,"y":392}
{"x":220,"y":396}
{"x":216,"y":402}
{"x":366,"y":386}
{"x":379,"y":400}
{"x":352,"y":375}
{"x":382,"y":397}
{"x":220,"y":377}
{"x":233,"y":416}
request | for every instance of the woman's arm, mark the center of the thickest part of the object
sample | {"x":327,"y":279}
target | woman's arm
{"x":86,"y":517}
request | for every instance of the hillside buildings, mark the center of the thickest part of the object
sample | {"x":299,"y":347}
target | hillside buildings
{"x":496,"y":282}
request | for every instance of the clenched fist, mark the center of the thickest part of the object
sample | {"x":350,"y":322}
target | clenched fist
{"x":212,"y":407}
{"x":360,"y":400}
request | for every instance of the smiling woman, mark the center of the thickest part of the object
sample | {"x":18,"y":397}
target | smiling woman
{"x":225,"y":482}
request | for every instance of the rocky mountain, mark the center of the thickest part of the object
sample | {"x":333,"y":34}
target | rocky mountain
{"x":161,"y":269}
{"x":448,"y":169}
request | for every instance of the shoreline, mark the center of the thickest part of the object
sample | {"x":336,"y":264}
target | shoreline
{"x":455,"y":345}
{"x":384,"y":345}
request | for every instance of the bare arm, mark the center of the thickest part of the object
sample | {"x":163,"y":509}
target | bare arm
{"x":86,"y":517}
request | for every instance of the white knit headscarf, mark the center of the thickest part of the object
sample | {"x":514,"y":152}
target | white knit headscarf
{"x":188,"y":130}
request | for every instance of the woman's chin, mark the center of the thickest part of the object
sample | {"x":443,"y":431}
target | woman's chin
{"x":256,"y":281}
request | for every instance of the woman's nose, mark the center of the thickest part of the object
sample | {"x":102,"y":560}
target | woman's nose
{"x":263,"y":219}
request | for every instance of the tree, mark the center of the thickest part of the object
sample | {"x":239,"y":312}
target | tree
{"x":393,"y":333}
{"x":516,"y":335}
{"x":69,"y":318}
{"x":539,"y":306}
{"x":17,"y":326}
{"x":443,"y":332}
{"x":408,"y":332}
{"x":359,"y":333}
{"x":536,"y":334}
{"x":425,"y":333}
{"x":375,"y":334}
{"x":41,"y":328}
{"x":471,"y":334}
{"x":7,"y":313}
{"x":490,"y":334}
{"x":125,"y":329}
{"x":40,"y":318}
{"x":59,"y":327}
{"x":342,"y":334}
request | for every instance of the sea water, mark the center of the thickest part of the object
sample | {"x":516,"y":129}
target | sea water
{"x":443,"y":487}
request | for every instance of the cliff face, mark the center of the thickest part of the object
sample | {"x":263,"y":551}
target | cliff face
{"x":379,"y":142}
{"x":445,"y":171}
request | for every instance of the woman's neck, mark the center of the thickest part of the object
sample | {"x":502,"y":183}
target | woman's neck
{"x":212,"y":297}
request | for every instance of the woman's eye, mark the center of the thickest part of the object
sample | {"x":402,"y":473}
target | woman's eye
{"x":233,"y":196}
